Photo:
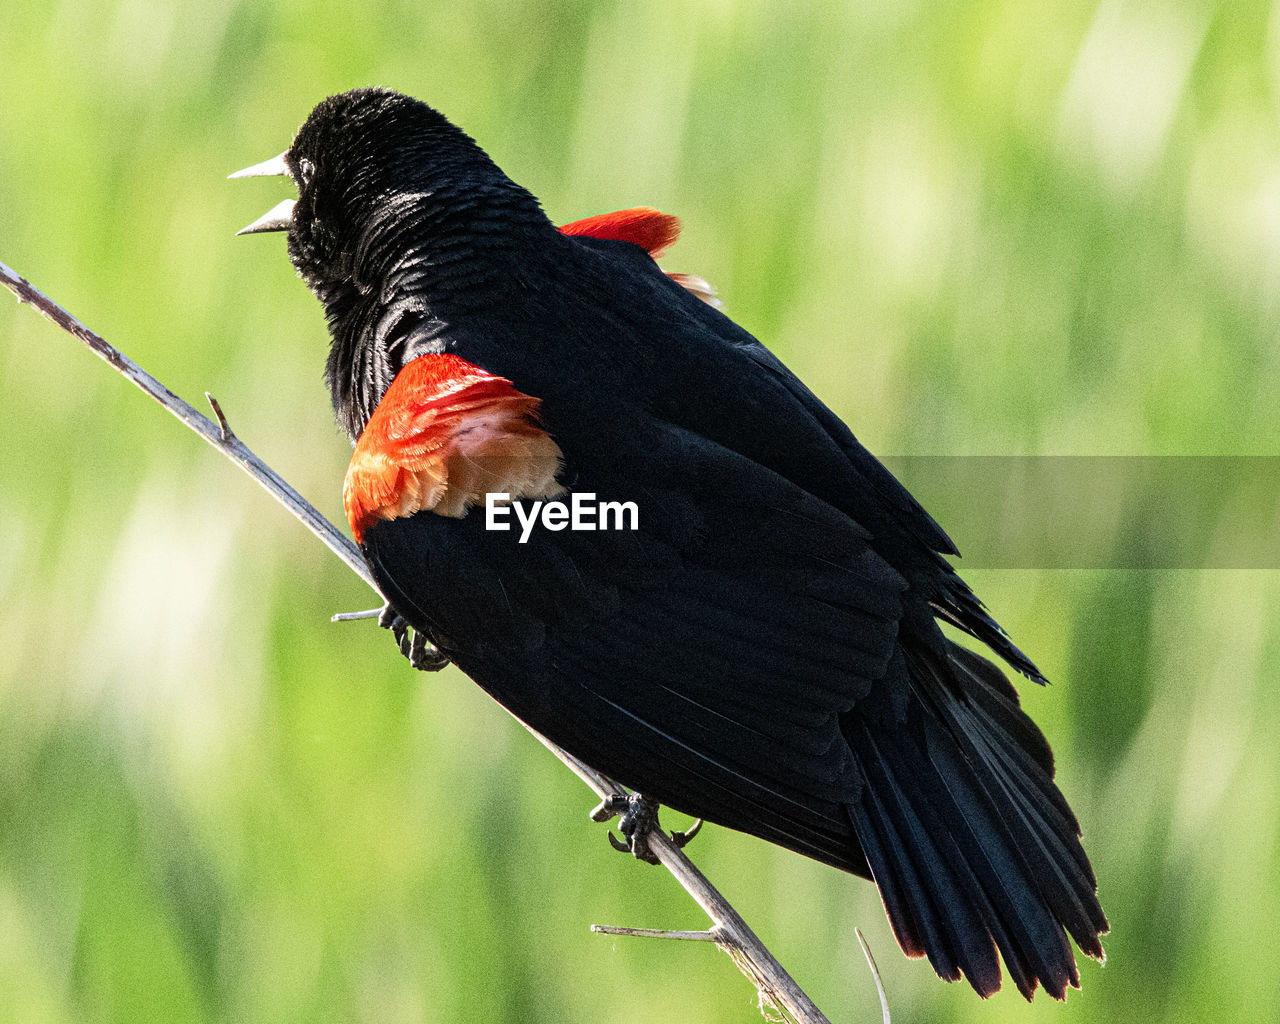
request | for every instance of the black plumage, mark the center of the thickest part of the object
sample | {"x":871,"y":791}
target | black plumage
{"x":764,"y":651}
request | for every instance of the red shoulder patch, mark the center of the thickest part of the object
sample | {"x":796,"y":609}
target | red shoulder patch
{"x":652,"y":230}
{"x":644,"y":226}
{"x":445,"y":434}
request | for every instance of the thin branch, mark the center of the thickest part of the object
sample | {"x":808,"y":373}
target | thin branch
{"x":729,"y":931}
{"x":776,"y":987}
{"x":231,"y":446}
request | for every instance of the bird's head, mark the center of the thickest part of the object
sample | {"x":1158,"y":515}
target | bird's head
{"x":370,"y":161}
{"x":397,"y":210}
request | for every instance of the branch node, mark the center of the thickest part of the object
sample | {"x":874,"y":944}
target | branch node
{"x":223,"y":426}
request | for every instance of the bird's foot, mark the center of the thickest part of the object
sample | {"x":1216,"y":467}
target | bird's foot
{"x":639,"y":818}
{"x":639,"y":821}
{"x":422,"y":655}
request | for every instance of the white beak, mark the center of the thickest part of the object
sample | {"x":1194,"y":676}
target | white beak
{"x":267,"y":169}
{"x":278,"y":218}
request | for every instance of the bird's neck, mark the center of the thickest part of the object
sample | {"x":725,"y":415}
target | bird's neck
{"x":427,"y":261}
{"x":436,"y":246}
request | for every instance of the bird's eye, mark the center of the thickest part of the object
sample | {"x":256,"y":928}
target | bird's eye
{"x":306,"y":169}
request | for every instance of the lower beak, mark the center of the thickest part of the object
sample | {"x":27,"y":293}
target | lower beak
{"x":278,"y":218}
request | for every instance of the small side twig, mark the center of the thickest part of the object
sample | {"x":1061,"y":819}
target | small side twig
{"x":708,"y":935}
{"x":777,"y":989}
{"x":371,"y":613}
{"x":223,"y":426}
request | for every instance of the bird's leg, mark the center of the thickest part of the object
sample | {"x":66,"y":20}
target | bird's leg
{"x":422,"y":655}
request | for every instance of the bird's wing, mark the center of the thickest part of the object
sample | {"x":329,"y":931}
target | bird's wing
{"x":705,"y":658}
{"x":719,"y":382}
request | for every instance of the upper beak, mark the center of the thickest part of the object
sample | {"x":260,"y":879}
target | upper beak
{"x":267,"y":169}
{"x":280,"y":216}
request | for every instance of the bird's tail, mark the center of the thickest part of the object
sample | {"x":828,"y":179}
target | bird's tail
{"x":973,"y":847}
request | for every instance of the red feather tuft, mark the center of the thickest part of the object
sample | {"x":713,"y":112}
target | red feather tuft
{"x":652,"y":230}
{"x":644,"y":226}
{"x":445,"y":434}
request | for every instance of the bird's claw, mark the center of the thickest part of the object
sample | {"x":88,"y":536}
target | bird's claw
{"x":683,"y":839}
{"x":422,"y":655}
{"x":639,"y":820}
{"x":426,"y":657}
{"x":617,"y":843}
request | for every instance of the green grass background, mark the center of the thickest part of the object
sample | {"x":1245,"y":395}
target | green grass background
{"x":990,"y":227}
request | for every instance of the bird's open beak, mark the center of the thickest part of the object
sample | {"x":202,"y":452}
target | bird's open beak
{"x":280,"y":216}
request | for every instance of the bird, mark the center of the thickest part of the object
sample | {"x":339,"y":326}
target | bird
{"x":760,"y":644}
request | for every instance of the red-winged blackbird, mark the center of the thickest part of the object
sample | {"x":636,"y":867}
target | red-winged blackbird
{"x":763,"y":651}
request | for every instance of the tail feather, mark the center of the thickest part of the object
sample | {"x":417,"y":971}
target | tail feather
{"x":1041,"y":808}
{"x":910,"y":862}
{"x":970,"y":886}
{"x":993,"y":854}
{"x":1056,"y":861}
{"x":975,"y":851}
{"x":988,"y":689}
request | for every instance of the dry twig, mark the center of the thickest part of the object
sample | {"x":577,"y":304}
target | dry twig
{"x":875,"y":973}
{"x":777,"y":989}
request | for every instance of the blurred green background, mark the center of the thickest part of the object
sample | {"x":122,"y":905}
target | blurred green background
{"x":990,"y":227}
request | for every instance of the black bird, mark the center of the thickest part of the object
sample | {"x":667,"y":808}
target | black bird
{"x":763,"y":648}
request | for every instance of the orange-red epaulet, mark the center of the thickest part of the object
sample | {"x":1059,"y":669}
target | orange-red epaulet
{"x":445,"y":434}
